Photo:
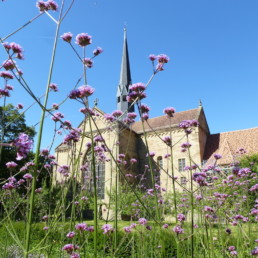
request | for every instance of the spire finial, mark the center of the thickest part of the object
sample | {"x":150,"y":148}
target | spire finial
{"x":96,"y":102}
{"x":200,"y":103}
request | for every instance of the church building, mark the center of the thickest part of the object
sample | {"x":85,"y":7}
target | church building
{"x":130,"y":140}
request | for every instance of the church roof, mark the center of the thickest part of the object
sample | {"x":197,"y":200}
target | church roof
{"x":228,"y":144}
{"x":161,"y":122}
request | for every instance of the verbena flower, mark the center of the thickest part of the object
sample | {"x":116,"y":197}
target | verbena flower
{"x":107,"y":228}
{"x":23,"y":145}
{"x":152,"y":57}
{"x":6,"y":75}
{"x":83,"y":39}
{"x":88,"y":62}
{"x":11,"y":164}
{"x":97,"y":51}
{"x":54,"y":87}
{"x":169,"y":111}
{"x":67,"y":37}
{"x":178,"y":230}
{"x":142,"y":221}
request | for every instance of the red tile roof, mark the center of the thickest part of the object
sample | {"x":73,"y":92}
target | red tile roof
{"x":227,"y":144}
{"x":161,"y":122}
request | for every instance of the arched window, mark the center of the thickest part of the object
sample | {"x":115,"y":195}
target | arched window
{"x":160,"y":163}
{"x":87,"y":175}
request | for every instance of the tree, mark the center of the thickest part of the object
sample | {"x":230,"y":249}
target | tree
{"x":12,"y":123}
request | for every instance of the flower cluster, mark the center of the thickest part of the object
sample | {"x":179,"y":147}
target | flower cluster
{"x":81,"y":92}
{"x":46,"y":6}
{"x":161,"y":60}
{"x":136,"y":92}
{"x":23,"y":145}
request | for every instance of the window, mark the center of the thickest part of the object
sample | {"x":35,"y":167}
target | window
{"x":183,"y":180}
{"x":118,"y":99}
{"x":87,"y":174}
{"x":181,"y":165}
{"x":124,"y":98}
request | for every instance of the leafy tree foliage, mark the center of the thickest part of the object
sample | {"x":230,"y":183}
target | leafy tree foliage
{"x":12,"y":123}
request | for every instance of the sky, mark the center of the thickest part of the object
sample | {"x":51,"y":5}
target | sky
{"x":212,"y":45}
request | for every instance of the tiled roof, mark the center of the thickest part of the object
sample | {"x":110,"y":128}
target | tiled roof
{"x":161,"y":122}
{"x":227,"y":144}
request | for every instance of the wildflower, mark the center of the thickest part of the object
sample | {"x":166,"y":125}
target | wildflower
{"x":142,"y":221}
{"x":83,"y":39}
{"x":107,"y":228}
{"x":28,"y":176}
{"x":23,"y":145}
{"x":11,"y":164}
{"x":234,"y":253}
{"x":165,"y":226}
{"x":67,"y":37}
{"x":145,"y":116}
{"x":131,"y":115}
{"x":254,"y":188}
{"x":178,"y":230}
{"x":181,"y":217}
{"x":69,"y":248}
{"x":231,"y":248}
{"x":38,"y":190}
{"x":88,"y":62}
{"x":44,"y":152}
{"x":137,"y":87}
{"x":162,"y":58}
{"x":46,"y":228}
{"x":152,"y":57}
{"x":81,"y":226}
{"x":116,"y":113}
{"x":45,"y":218}
{"x":208,"y":209}
{"x":169,"y":111}
{"x":6,"y":75}
{"x":51,"y":5}
{"x":75,"y":255}
{"x":57,"y":117}
{"x":151,"y":154}
{"x":53,"y":86}
{"x":8,"y":64}
{"x":217,"y":156}
{"x":42,"y":6}
{"x":148,"y":227}
{"x":16,"y":48}
{"x":127,"y":229}
{"x":97,"y":51}
{"x":133,"y":160}
{"x":85,"y":91}
{"x":254,"y":251}
{"x":19,"y":106}
{"x":73,"y":136}
{"x":167,"y":140}
{"x":144,"y":108}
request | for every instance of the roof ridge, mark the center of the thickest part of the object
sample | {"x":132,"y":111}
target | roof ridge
{"x":253,"y":128}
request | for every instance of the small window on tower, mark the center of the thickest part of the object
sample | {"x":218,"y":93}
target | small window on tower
{"x":118,"y":99}
{"x":124,"y":98}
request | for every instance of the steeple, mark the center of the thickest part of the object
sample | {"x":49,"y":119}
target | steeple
{"x":125,"y":80}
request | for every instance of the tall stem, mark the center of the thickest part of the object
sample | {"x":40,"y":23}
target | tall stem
{"x":32,"y":195}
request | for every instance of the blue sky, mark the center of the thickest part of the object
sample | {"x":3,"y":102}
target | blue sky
{"x":212,"y":45}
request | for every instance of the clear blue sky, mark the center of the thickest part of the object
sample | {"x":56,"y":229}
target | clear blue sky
{"x":212,"y":45}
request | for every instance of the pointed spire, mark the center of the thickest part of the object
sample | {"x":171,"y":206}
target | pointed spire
{"x":125,"y":74}
{"x":125,"y":80}
{"x":200,"y":103}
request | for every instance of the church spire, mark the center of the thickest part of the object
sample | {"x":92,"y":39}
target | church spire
{"x":125,"y":80}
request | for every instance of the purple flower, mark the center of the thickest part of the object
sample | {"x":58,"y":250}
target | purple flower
{"x":162,"y":59}
{"x":83,"y":39}
{"x":169,"y":111}
{"x":51,"y":5}
{"x":127,"y":229}
{"x":11,"y":164}
{"x":132,"y":115}
{"x":217,"y":156}
{"x":107,"y":228}
{"x":75,"y":255}
{"x":232,"y":248}
{"x":144,"y":108}
{"x":167,"y":140}
{"x":8,"y":64}
{"x":117,"y":113}
{"x":254,"y":188}
{"x":181,"y":217}
{"x":46,"y":228}
{"x":178,"y":230}
{"x":67,"y":37}
{"x":42,"y":6}
{"x":16,"y":48}
{"x":81,"y":226}
{"x":23,"y":145}
{"x":254,"y":251}
{"x":85,"y":91}
{"x":133,"y":160}
{"x":53,"y":87}
{"x":69,"y":248}
{"x":19,"y":106}
{"x":137,"y":87}
{"x":152,"y":57}
{"x":88,"y":62}
{"x":145,"y":116}
{"x":142,"y":221}
{"x":234,"y":253}
{"x":97,"y":51}
{"x":28,"y":176}
{"x":57,"y":116}
{"x":6,"y":75}
{"x":165,"y":226}
{"x":44,"y":152}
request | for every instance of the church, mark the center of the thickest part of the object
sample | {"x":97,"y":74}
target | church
{"x":130,"y":141}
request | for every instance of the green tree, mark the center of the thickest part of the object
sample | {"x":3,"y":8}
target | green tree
{"x":12,"y":123}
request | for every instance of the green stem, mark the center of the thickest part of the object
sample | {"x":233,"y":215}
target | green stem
{"x":32,"y":196}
